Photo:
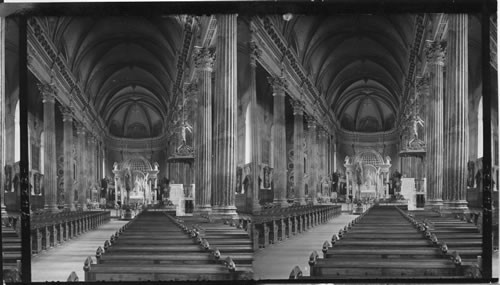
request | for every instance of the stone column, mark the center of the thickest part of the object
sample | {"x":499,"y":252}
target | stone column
{"x":456,"y":126}
{"x":82,"y":166}
{"x":68,"y":158}
{"x":225,"y":132}
{"x":298,"y":151}
{"x":2,"y":115}
{"x":90,"y":166}
{"x":312,"y":159}
{"x":49,"y":132}
{"x":435,"y":54}
{"x":279,"y":138}
{"x":321,"y":158}
{"x":255,"y":147}
{"x":204,"y":59}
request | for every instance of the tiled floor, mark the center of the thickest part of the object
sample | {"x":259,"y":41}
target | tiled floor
{"x":277,"y":261}
{"x":57,"y":263}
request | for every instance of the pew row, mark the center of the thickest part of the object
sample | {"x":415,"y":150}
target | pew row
{"x":154,"y":247}
{"x":383,"y":243}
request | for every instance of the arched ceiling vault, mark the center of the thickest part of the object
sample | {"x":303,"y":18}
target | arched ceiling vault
{"x":358,"y":62}
{"x":126,"y":65}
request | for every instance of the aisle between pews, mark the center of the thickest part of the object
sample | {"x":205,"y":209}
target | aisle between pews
{"x":274,"y":262}
{"x":57,"y":263}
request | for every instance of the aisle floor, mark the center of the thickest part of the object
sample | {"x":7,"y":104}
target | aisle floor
{"x":57,"y":263}
{"x":278,"y":260}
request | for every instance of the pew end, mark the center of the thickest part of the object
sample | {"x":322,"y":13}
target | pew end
{"x":72,"y":277}
{"x":87,"y":267}
{"x":296,"y":273}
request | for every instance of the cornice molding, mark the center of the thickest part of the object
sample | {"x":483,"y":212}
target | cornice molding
{"x":47,"y":64}
{"x":412,"y":63}
{"x":184,"y":62}
{"x":275,"y":54}
{"x":136,"y":145}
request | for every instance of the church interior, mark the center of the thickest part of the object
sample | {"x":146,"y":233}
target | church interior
{"x":237,"y":147}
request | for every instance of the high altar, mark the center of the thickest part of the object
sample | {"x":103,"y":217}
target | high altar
{"x":136,"y":181}
{"x":367,"y":174}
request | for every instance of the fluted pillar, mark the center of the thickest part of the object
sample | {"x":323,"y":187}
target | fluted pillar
{"x":321,"y":158}
{"x":2,"y":115}
{"x":49,"y":133}
{"x":255,"y":145}
{"x":68,"y":158}
{"x":312,"y":159}
{"x":456,"y":127}
{"x":279,"y":138}
{"x":203,"y":135}
{"x":82,"y":166}
{"x":225,"y":132}
{"x":435,"y":54}
{"x":92,"y":168}
{"x":89,"y":163}
{"x":298,"y":152}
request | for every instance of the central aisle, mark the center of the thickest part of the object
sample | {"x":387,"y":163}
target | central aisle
{"x":57,"y":263}
{"x":277,"y":261}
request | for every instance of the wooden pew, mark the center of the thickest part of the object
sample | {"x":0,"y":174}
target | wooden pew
{"x":382,"y":243}
{"x":160,"y":249}
{"x":11,"y":253}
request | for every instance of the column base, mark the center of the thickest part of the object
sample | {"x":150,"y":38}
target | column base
{"x":3,"y":209}
{"x":454,"y":207}
{"x":281,"y":202}
{"x":52,"y":209}
{"x":301,"y":201}
{"x":223,"y":213}
{"x":433,"y":205}
{"x":202,"y":210}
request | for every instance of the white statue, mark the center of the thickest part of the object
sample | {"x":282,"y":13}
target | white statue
{"x":155,"y":165}
{"x":416,"y":121}
{"x":115,"y":165}
{"x":346,"y":160}
{"x":388,"y":160}
{"x":185,"y":126}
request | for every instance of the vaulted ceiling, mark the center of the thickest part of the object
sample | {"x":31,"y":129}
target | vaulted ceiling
{"x":358,"y":62}
{"x":127,"y":65}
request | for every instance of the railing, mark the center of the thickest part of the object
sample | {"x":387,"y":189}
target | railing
{"x":48,"y":230}
{"x":277,"y":224}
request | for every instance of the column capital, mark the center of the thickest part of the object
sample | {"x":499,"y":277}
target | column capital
{"x":48,"y":92}
{"x":322,"y":131}
{"x":279,"y":85}
{"x":80,"y":128}
{"x":67,"y":113}
{"x":298,"y":107}
{"x":204,"y":58}
{"x":311,"y":122}
{"x":255,"y":53}
{"x":435,"y":52}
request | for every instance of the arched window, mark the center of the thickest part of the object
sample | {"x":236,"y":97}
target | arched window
{"x":42,"y":147}
{"x":248,"y":136}
{"x":480,"y":128}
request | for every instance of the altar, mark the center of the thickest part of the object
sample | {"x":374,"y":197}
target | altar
{"x":367,"y":174}
{"x":135,"y":182}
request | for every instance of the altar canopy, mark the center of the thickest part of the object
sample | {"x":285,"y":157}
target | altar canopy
{"x":136,"y":181}
{"x":367,"y":174}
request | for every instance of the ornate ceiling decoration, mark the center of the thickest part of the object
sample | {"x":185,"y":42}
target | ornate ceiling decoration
{"x":358,"y":63}
{"x":127,"y":67}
